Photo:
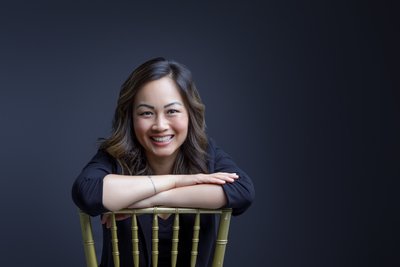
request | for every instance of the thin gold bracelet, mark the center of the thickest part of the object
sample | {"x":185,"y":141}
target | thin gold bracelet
{"x":154,"y":187}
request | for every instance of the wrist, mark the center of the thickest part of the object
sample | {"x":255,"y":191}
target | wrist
{"x":159,"y":199}
{"x":152,"y":183}
{"x":177,"y":180}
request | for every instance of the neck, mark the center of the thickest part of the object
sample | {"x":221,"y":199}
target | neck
{"x":162,"y":166}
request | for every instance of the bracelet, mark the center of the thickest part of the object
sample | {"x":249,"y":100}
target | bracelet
{"x":154,"y":187}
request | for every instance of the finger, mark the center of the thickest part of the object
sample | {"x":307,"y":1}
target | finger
{"x":121,"y":217}
{"x":109,"y":222}
{"x":217,"y":181}
{"x":104,"y":218}
{"x":230,"y":177}
{"x":227,"y":174}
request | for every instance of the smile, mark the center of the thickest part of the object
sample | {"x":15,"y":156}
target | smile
{"x":162,"y":139}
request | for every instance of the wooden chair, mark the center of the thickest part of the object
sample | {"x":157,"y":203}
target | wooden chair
{"x":220,"y":245}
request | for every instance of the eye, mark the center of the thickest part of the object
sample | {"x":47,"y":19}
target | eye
{"x":145,"y":114}
{"x":172,"y":111}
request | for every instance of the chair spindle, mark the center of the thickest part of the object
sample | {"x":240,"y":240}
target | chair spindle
{"x":195,"y":240}
{"x":114,"y":240}
{"x":135,"y":241}
{"x":155,"y":239}
{"x":175,"y":240}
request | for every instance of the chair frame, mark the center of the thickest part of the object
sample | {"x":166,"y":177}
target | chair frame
{"x":220,"y":243}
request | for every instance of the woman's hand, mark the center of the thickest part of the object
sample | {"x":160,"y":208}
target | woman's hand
{"x":201,"y":178}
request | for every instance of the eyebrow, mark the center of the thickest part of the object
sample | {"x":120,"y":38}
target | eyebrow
{"x":173,"y":103}
{"x":166,"y":106}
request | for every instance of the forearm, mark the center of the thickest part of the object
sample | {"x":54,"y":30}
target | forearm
{"x":208,"y":196}
{"x":119,"y":191}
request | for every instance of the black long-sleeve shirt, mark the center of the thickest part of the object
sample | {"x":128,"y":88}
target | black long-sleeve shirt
{"x":87,"y":193}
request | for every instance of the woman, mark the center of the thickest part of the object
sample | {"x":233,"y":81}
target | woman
{"x":159,"y":155}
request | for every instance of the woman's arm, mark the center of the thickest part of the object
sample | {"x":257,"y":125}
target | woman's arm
{"x":121,"y":191}
{"x":240,"y":194}
{"x":207,"y":196}
{"x":97,"y":190}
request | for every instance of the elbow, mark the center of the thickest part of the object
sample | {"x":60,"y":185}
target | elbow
{"x":112,"y":207}
{"x":87,"y":197}
{"x":250,"y":196}
{"x":245,"y":203}
{"x":240,"y":198}
{"x":110,"y":204}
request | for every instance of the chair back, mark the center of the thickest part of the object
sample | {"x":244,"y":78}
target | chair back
{"x":220,"y":243}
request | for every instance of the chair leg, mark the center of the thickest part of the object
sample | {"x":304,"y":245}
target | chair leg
{"x":222,"y":238}
{"x":88,"y":241}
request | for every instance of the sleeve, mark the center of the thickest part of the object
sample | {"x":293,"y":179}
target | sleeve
{"x":240,"y":194}
{"x":87,"y":190}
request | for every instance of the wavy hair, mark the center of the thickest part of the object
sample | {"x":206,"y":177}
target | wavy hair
{"x":123,"y":144}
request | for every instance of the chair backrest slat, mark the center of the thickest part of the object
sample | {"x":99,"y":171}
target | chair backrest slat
{"x":114,"y":240}
{"x":220,"y":245}
{"x":175,"y":240}
{"x":135,"y":241}
{"x":155,"y":240}
{"x":195,"y":240}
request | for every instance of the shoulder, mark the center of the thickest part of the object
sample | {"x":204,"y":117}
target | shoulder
{"x":101,"y":164}
{"x":217,"y":157}
{"x":211,"y":145}
{"x":211,"y":151}
{"x":102,"y":155}
{"x":103,"y":159}
{"x":214,"y":151}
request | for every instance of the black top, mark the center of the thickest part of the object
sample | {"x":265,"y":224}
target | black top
{"x":165,"y":241}
{"x":87,"y":193}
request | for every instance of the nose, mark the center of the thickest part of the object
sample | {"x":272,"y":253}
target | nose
{"x":160,"y":124}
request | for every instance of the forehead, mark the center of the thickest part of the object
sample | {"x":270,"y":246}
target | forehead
{"x":162,"y":91}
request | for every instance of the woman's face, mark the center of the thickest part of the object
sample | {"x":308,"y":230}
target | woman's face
{"x":160,"y":119}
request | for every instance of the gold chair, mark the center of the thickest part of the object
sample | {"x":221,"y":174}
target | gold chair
{"x":220,"y":245}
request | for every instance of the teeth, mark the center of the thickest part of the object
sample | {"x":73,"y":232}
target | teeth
{"x":162,"y":139}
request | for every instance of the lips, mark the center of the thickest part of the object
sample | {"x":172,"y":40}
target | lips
{"x":162,"y":139}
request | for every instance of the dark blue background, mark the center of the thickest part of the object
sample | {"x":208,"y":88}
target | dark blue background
{"x":303,"y":95}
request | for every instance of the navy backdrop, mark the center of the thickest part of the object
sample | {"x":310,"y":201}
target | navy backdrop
{"x":303,"y":95}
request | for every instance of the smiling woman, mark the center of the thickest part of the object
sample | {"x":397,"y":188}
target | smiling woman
{"x":160,"y":122}
{"x":159,"y":155}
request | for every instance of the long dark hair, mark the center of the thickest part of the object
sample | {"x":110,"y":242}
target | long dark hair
{"x":123,"y":145}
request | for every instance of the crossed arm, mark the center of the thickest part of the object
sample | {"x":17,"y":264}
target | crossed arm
{"x":97,"y":190}
{"x":196,"y":190}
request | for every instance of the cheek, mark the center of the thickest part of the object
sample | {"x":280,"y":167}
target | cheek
{"x":182,"y":125}
{"x":139,"y":127}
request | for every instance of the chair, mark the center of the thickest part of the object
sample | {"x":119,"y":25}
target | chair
{"x":220,"y":245}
